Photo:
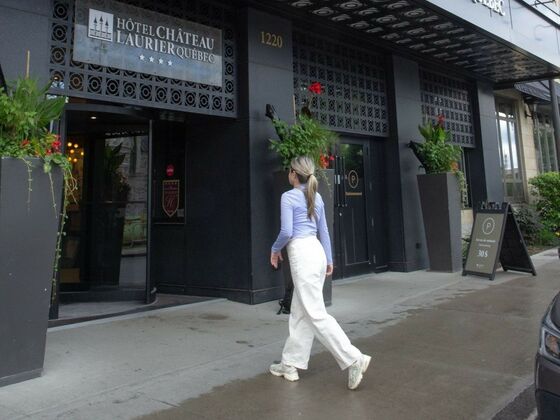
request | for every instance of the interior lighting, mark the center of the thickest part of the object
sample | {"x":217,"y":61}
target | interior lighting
{"x":72,"y":151}
{"x":75,"y":146}
{"x":82,"y":153}
{"x":69,"y":144}
{"x":93,"y":117}
{"x":75,"y":160}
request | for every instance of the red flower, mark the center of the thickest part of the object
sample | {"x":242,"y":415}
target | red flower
{"x":316,"y":88}
{"x":56,"y":146}
{"x":25,"y":142}
{"x":324,"y":161}
{"x":331,"y":158}
{"x":48,"y":152}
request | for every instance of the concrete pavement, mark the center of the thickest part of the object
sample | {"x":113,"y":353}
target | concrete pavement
{"x":444,"y":346}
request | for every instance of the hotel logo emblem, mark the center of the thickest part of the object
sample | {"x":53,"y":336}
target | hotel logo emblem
{"x":100,"y":25}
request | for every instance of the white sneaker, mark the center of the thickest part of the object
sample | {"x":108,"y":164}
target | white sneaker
{"x":357,"y":370}
{"x":288,"y":372}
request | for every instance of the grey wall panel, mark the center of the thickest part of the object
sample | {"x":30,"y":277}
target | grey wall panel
{"x":24,"y":25}
{"x":217,"y":227}
{"x":407,"y":116}
{"x":168,"y":255}
{"x":269,"y":80}
{"x":485,"y":177}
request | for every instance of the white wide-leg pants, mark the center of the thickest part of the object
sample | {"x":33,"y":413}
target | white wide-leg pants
{"x":308,"y":316}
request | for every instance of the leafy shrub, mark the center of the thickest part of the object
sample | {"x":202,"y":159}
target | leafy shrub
{"x":546,"y":238}
{"x":546,"y":187}
{"x":529,"y":224}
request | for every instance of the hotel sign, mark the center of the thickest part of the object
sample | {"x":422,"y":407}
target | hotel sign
{"x":113,"y":34}
{"x":496,"y":6}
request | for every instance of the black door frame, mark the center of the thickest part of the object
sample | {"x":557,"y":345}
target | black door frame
{"x":150,"y":294}
{"x":374,"y":236}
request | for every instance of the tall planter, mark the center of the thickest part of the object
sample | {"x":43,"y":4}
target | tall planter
{"x":282,"y":185}
{"x":28,"y":235}
{"x":441,"y":212}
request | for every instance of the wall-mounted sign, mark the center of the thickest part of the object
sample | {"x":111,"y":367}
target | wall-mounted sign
{"x":113,"y":34}
{"x":170,"y":196}
{"x":496,"y":6}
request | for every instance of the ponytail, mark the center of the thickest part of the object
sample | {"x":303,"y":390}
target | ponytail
{"x":304,"y":169}
{"x":312,"y":185}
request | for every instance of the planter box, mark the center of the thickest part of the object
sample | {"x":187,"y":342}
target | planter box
{"x":28,"y":233}
{"x":282,"y":185}
{"x":441,"y":212}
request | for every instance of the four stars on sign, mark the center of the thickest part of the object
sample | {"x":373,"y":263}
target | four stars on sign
{"x":142,"y":57}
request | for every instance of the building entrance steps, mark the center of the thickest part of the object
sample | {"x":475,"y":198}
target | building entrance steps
{"x":443,"y":344}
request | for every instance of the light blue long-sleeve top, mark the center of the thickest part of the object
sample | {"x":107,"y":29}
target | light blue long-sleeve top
{"x":296,"y":224}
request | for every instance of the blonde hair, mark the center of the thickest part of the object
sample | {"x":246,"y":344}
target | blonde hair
{"x":304,"y":168}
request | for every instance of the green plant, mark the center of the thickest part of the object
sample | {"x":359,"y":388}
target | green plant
{"x":546,"y":238}
{"x":546,"y":187}
{"x":305,"y":137}
{"x":529,"y":223}
{"x":25,"y":114}
{"x":437,"y":155}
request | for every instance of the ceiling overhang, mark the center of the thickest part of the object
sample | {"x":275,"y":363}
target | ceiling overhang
{"x":414,"y":27}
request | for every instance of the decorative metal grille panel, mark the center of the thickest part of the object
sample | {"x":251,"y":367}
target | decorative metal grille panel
{"x":110,"y":84}
{"x":452,"y":98}
{"x":354,"y":98}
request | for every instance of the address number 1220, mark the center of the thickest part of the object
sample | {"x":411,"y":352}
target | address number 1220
{"x":273,"y":40}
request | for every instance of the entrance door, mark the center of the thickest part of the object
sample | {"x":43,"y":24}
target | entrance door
{"x":358,"y":186}
{"x":105,"y":250}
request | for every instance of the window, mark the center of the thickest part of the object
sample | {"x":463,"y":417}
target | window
{"x":544,"y":143}
{"x":510,"y":161}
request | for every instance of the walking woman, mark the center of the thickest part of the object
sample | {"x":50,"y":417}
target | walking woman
{"x":302,"y":217}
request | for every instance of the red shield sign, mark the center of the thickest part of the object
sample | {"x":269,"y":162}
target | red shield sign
{"x":170,"y":196}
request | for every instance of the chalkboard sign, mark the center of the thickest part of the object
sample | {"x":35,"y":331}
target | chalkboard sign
{"x":496,"y":237}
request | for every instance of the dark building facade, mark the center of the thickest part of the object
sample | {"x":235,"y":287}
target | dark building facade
{"x":166,"y":124}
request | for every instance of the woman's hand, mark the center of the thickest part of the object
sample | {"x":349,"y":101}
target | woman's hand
{"x":274,"y":258}
{"x":329,"y":269}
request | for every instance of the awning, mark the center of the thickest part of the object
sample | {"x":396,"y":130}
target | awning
{"x":538,"y":90}
{"x":535,"y":89}
{"x":422,"y":29}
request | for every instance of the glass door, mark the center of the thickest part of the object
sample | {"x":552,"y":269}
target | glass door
{"x":105,"y":247}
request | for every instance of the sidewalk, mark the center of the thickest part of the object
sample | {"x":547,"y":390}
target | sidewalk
{"x":143,"y":364}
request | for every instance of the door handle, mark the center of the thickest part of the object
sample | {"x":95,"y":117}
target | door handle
{"x":337,"y":200}
{"x":343,"y":183}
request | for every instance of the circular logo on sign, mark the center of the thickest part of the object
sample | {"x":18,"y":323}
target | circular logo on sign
{"x":488,"y":225}
{"x":353,"y":179}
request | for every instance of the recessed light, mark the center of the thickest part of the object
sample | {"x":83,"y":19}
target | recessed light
{"x":93,"y":117}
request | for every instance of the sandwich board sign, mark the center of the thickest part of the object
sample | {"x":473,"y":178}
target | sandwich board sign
{"x":496,"y":238}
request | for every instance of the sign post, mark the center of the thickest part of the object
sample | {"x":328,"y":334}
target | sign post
{"x":496,"y":237}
